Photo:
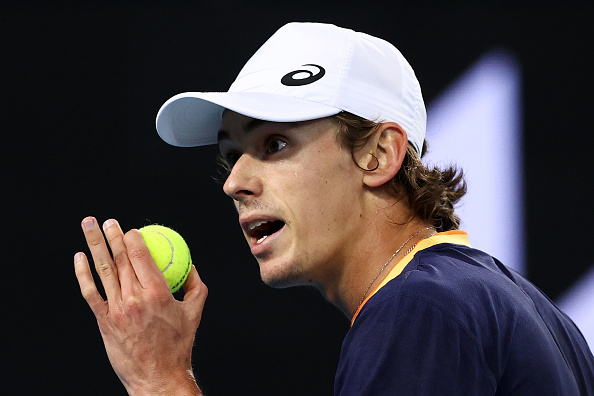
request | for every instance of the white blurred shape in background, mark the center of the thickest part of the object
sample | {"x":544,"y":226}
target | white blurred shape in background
{"x":477,"y":125}
{"x":578,"y":303}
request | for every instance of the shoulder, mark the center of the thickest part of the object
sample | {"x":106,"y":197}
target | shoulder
{"x":406,"y":328}
{"x":453,"y":278}
{"x":450,"y":301}
{"x":457,"y":305}
{"x":444,"y":289}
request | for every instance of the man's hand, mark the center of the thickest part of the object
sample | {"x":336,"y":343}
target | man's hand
{"x":147,"y":333}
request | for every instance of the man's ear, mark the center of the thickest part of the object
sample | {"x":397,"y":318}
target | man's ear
{"x":388,"y":146}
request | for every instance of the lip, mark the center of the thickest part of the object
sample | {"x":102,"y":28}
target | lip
{"x":259,"y":248}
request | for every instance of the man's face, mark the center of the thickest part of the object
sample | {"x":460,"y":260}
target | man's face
{"x":298,"y":195}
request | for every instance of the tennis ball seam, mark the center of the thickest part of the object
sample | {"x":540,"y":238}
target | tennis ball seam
{"x":169,"y":258}
{"x":184,"y":277}
{"x":172,"y":249}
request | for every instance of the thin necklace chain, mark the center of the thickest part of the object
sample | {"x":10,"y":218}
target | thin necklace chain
{"x":394,"y":255}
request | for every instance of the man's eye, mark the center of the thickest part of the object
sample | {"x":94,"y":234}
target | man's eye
{"x":274,"y":145}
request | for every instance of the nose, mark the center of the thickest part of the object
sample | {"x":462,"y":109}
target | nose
{"x":244,"y":179}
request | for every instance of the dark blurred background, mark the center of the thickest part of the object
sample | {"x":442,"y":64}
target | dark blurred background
{"x":82,"y":83}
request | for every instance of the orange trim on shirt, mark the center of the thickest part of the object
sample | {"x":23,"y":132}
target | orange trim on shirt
{"x":457,"y":237}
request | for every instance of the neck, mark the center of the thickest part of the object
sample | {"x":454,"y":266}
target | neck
{"x":371,"y":261}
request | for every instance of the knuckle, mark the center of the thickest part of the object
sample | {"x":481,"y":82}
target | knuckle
{"x":118,"y":313}
{"x":103,"y":268}
{"x":119,"y":317}
{"x":132,"y":305}
{"x":95,"y":241}
{"x":114,"y":237}
{"x":138,"y":254}
{"x":88,"y":292}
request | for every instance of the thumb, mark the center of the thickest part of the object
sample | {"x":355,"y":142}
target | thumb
{"x":195,"y":290}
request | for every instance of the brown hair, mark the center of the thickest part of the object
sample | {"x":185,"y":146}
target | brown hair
{"x":432,"y":193}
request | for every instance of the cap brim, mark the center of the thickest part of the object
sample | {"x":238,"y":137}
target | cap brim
{"x":194,"y":118}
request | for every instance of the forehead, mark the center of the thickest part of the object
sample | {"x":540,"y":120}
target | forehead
{"x":234,"y":124}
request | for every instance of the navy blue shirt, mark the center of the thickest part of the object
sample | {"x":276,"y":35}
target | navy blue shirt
{"x":458,"y":322}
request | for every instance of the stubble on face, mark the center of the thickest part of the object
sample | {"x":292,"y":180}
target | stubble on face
{"x":309,"y":185}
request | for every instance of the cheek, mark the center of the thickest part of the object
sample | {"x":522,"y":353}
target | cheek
{"x":323,"y":197}
{"x":319,"y":185}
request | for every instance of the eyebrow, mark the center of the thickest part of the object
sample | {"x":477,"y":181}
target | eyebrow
{"x":248,"y":127}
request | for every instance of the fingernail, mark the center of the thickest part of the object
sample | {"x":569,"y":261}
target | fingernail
{"x":88,"y":224}
{"x":77,"y":257}
{"x":108,"y":223}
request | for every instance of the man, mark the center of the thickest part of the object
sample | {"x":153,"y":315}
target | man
{"x":321,"y":135}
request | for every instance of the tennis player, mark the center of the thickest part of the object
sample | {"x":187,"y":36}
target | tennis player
{"x":322,"y":135}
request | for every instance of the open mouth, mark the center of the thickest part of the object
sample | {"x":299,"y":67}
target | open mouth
{"x":260,"y":230}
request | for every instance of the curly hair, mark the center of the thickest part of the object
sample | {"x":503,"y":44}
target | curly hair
{"x":432,"y":193}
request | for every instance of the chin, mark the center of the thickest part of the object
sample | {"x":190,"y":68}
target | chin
{"x":279,"y":282}
{"x":281,"y":276}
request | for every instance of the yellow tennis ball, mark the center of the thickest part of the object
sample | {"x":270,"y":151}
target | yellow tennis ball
{"x":170,"y":252}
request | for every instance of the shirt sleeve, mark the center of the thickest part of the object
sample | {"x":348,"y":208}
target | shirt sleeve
{"x":410,"y":346}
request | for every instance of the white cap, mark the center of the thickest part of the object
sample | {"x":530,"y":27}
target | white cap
{"x":303,"y":72}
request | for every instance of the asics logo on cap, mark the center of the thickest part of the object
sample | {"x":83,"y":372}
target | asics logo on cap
{"x":290,"y":80}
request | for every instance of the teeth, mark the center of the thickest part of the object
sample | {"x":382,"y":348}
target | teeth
{"x":256,"y":224}
{"x":262,"y":239}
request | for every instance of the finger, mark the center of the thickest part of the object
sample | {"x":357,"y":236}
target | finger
{"x":195,"y":292}
{"x":146,"y":270}
{"x":87,"y":285}
{"x":115,"y":239}
{"x":104,"y":265}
